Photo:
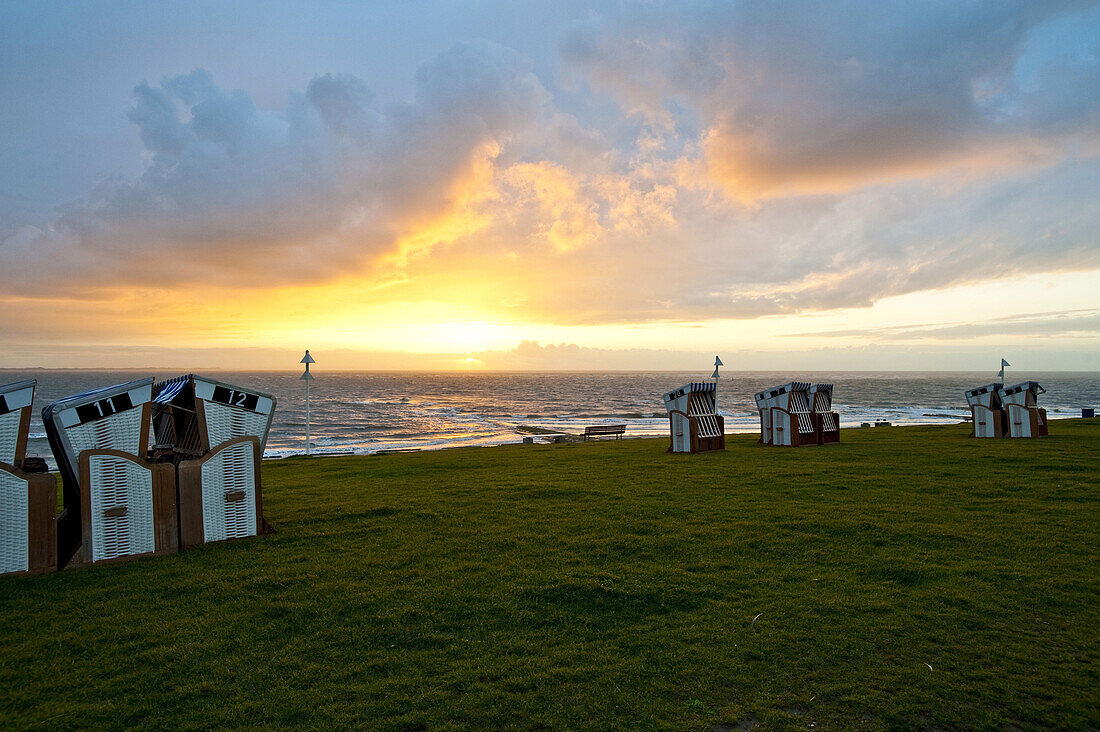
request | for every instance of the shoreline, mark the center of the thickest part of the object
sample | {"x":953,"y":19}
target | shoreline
{"x":547,"y":439}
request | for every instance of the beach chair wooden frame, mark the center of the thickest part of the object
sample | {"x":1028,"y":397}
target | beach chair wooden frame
{"x":826,"y":422}
{"x":987,"y":414}
{"x":789,"y":421}
{"x":1025,"y":417}
{"x":28,"y":497}
{"x":215,"y":433}
{"x":221,"y":494}
{"x":130,"y":507}
{"x":765,"y":400}
{"x":118,"y":505}
{"x":988,"y":422}
{"x":694,"y":424}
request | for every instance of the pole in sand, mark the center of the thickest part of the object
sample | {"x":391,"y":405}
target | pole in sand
{"x":1002,"y":374}
{"x":307,"y":377}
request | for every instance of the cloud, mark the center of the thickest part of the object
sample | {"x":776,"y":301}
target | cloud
{"x":694,"y":261}
{"x":237,"y":195}
{"x":737,"y":160}
{"x":810,"y":97}
{"x":738,"y":377}
{"x":563,"y":216}
{"x":1070,"y":324}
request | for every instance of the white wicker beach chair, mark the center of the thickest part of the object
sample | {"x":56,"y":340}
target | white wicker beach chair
{"x":216,"y":433}
{"x":694,"y":424}
{"x":986,"y":411}
{"x":117,"y":504}
{"x":785,"y":417}
{"x":1025,"y":417}
{"x":826,"y":421}
{"x":28,"y":495}
{"x":765,"y":400}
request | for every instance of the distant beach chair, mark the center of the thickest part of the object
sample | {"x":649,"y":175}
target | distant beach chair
{"x":1025,"y":417}
{"x":826,"y":421}
{"x":986,"y":411}
{"x":117,"y":503}
{"x":215,"y":434}
{"x":785,"y":416}
{"x":28,"y":494}
{"x":694,"y":423}
{"x":765,"y":400}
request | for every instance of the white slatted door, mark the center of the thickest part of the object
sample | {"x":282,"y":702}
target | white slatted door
{"x":14,"y":524}
{"x":1019,"y":421}
{"x":229,"y":494}
{"x":121,"y":507}
{"x":680,"y":436}
{"x":781,"y":427}
{"x":9,"y":435}
{"x":983,"y":421}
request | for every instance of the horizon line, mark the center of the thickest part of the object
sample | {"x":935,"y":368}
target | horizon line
{"x":524,"y":371}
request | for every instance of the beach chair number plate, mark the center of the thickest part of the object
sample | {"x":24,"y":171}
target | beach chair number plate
{"x":104,"y":408}
{"x":235,"y":398}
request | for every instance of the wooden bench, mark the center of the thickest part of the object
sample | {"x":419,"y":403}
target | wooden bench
{"x":601,"y":430}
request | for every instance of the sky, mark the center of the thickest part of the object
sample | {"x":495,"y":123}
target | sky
{"x":572,"y":185}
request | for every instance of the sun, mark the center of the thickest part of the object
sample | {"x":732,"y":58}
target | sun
{"x":468,"y":336}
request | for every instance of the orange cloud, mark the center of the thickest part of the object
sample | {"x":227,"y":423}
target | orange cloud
{"x":569,"y":219}
{"x":635,"y":210}
{"x":753,"y":165}
{"x":463,"y":215}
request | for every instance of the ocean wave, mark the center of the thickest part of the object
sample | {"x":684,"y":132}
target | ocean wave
{"x":369,"y":412}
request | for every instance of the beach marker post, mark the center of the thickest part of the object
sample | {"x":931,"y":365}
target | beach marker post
{"x":1002,"y":373}
{"x":717,"y":363}
{"x":307,"y":377}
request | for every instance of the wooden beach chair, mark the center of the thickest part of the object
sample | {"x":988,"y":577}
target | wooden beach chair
{"x":826,"y":422}
{"x":1025,"y":417}
{"x":117,"y":504}
{"x":987,"y":414}
{"x":215,"y":434}
{"x":765,"y":400}
{"x":789,"y":421}
{"x":28,"y":493}
{"x":694,"y":424}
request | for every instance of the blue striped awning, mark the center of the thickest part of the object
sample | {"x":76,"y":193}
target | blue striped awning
{"x":166,"y":391}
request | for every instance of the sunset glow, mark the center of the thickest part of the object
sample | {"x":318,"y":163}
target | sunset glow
{"x":632,"y":186}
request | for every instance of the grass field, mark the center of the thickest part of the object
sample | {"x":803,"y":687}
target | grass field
{"x":905,"y":578}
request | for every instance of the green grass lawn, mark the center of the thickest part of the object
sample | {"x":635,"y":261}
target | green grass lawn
{"x":905,"y":578}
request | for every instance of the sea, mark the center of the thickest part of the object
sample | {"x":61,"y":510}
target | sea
{"x":371,"y":412}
